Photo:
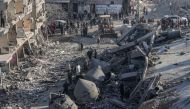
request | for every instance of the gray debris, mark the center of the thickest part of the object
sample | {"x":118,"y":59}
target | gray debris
{"x":85,"y":91}
{"x":61,"y":102}
{"x":96,"y":74}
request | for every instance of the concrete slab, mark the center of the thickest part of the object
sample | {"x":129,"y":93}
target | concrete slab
{"x":5,"y":58}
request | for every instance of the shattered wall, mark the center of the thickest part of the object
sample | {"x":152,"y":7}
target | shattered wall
{"x":56,"y":11}
{"x":19,"y":6}
{"x":12,"y":36}
{"x":27,"y":22}
{"x":11,"y":11}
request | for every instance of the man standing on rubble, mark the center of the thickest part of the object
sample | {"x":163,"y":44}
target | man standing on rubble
{"x":78,"y":72}
{"x":89,"y":53}
{"x":61,"y":29}
{"x":81,"y":47}
{"x":86,"y":64}
{"x":69,"y":75}
{"x":98,"y":41}
{"x":95,"y":53}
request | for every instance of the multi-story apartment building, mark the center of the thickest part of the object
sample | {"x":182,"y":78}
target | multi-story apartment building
{"x":22,"y":19}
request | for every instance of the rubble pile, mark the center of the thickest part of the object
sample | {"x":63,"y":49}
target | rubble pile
{"x":60,"y":12}
{"x":96,"y":74}
{"x":61,"y":102}
{"x":138,"y":70}
{"x":30,"y":83}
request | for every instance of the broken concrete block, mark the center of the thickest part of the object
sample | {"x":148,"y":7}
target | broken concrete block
{"x":62,"y":102}
{"x":96,"y":62}
{"x":85,"y":91}
{"x":96,"y":74}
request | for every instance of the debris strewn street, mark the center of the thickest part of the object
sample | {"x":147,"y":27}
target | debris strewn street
{"x":111,"y":54}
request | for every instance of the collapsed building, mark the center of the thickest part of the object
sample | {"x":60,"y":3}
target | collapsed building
{"x":72,"y":8}
{"x":23,"y":20}
{"x":133,"y":67}
{"x":130,"y":61}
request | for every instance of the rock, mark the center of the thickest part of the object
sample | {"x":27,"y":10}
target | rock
{"x":85,"y":91}
{"x":96,"y":62}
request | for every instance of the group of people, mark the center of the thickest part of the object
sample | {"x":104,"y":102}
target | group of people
{"x":75,"y":71}
{"x":171,"y":23}
{"x":70,"y":27}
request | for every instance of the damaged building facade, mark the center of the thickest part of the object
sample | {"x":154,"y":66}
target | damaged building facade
{"x":63,"y":9}
{"x":22,"y":22}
